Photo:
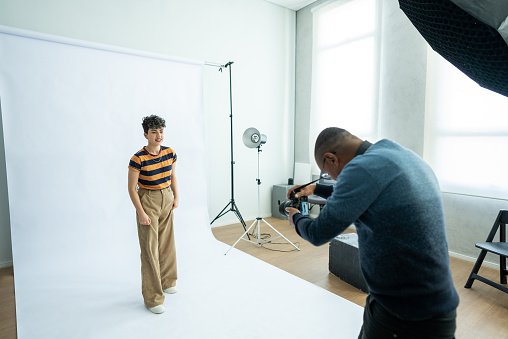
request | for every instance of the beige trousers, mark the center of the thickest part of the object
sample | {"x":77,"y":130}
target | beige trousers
{"x":157,"y":243}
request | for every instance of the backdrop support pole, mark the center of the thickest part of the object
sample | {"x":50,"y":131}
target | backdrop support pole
{"x":231,"y":204}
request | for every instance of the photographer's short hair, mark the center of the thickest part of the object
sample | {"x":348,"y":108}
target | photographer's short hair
{"x":330,"y":139}
{"x":154,"y":122}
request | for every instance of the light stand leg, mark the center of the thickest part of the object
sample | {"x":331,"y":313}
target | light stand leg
{"x":233,"y":209}
{"x":221,"y":213}
{"x":246,"y":232}
{"x":279,"y":234}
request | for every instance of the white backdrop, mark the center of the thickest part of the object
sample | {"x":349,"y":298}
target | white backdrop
{"x":72,"y":119}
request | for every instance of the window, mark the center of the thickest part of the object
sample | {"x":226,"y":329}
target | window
{"x":345,"y":69}
{"x":466,"y":132}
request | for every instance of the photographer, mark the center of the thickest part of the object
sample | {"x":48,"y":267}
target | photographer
{"x":393,"y":198}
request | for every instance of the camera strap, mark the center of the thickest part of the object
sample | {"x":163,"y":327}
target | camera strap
{"x":307,"y":184}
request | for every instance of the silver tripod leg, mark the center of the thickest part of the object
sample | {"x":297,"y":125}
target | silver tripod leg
{"x":280,"y":234}
{"x":258,"y":222}
{"x":243,"y":235}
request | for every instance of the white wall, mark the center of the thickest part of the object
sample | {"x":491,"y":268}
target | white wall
{"x":401,"y":115}
{"x":5,"y":230}
{"x":403,"y":67}
{"x":257,"y":35}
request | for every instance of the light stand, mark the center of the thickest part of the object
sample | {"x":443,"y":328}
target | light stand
{"x":252,"y":137}
{"x":231,"y":204}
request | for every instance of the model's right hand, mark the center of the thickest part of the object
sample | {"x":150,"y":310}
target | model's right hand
{"x":305,"y":192}
{"x":144,"y":219}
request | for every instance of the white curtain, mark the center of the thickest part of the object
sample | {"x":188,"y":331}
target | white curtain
{"x":345,"y":68}
{"x":466,"y":132}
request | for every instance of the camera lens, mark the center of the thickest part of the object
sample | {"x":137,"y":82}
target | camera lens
{"x":282,"y":207}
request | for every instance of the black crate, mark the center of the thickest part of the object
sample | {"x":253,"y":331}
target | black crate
{"x":344,"y":260}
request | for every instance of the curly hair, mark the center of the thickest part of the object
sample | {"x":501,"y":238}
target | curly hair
{"x":153,"y":122}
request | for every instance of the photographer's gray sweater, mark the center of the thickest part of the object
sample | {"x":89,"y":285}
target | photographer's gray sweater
{"x":393,"y":198}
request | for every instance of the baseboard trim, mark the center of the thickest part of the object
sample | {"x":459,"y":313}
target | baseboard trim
{"x":473,"y":259}
{"x":5,"y":264}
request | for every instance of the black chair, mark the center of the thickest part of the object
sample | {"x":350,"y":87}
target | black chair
{"x":500,"y":248}
{"x":317,"y":200}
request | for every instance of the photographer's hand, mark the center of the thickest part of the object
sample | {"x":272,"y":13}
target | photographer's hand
{"x":305,"y":192}
{"x":292,"y":211}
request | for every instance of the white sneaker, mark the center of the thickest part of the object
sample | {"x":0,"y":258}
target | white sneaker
{"x":157,"y":309}
{"x":171,"y":290}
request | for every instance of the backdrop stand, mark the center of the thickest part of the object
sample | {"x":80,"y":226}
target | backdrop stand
{"x":231,"y":205}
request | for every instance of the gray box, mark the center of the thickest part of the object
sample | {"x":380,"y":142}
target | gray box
{"x":279,"y":194}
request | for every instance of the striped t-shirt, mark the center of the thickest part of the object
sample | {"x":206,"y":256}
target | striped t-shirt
{"x":154,"y":170}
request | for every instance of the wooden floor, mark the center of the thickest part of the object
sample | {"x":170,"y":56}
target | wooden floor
{"x":7,"y":306}
{"x":482,"y":313}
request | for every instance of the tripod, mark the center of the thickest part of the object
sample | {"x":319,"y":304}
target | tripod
{"x":231,"y":203}
{"x":257,"y":222}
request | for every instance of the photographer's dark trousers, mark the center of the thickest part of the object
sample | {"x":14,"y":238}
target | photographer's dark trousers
{"x":157,"y":243}
{"x":379,"y":323}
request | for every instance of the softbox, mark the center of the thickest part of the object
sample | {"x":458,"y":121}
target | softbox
{"x":471,"y":34}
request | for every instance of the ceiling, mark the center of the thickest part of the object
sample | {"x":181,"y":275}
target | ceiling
{"x":292,"y":4}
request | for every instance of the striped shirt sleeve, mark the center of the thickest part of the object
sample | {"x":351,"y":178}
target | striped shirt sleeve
{"x":135,"y":163}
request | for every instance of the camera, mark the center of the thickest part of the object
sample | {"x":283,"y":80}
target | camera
{"x":301,"y":203}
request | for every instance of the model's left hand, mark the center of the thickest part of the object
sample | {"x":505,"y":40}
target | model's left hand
{"x":292,"y":211}
{"x":175,"y":203}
